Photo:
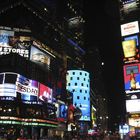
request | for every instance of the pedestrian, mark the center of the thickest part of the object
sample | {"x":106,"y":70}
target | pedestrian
{"x":127,"y":137}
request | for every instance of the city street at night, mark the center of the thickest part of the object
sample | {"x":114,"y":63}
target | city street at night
{"x":69,"y":70}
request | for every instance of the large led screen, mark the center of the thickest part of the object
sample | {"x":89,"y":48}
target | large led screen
{"x":39,"y":57}
{"x":129,"y":6}
{"x":27,"y":89}
{"x":14,"y":44}
{"x":131,"y":52}
{"x":133,"y":106}
{"x":124,"y":129}
{"x":63,"y":111}
{"x":129,"y":28}
{"x":132,"y":78}
{"x":134,"y":37}
{"x":45,"y":93}
{"x":78,"y":84}
{"x":8,"y":86}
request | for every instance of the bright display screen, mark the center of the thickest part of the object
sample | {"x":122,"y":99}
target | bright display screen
{"x":78,"y":84}
{"x":63,"y":111}
{"x":134,"y":37}
{"x":134,"y":121}
{"x":129,"y":5}
{"x":27,"y":88}
{"x":131,"y":52}
{"x":39,"y":57}
{"x":45,"y":93}
{"x":8,"y":85}
{"x":13,"y":85}
{"x":123,"y":129}
{"x":14,"y":44}
{"x":129,"y":28}
{"x":129,"y":48}
{"x":132,"y":78}
{"x":133,"y":106}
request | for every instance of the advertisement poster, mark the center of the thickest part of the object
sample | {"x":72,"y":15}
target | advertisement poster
{"x":128,"y":6}
{"x":132,"y":78}
{"x":45,"y":93}
{"x":63,"y":111}
{"x":131,"y":52}
{"x":28,"y":89}
{"x":39,"y":57}
{"x":129,"y":28}
{"x":15,"y":44}
{"x":134,"y":37}
{"x":133,"y":106}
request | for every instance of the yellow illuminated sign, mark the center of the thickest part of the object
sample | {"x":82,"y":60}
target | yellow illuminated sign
{"x":129,"y":48}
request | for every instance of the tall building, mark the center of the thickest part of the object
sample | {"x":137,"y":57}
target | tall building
{"x":129,"y":13}
{"x":38,"y":44}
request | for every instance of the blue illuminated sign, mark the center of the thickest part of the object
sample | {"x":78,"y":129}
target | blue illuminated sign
{"x":134,"y":37}
{"x":78,"y":84}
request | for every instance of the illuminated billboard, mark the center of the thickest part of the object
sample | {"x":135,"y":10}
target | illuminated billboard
{"x":129,"y":28}
{"x":134,"y":37}
{"x":14,"y":44}
{"x":133,"y":106}
{"x":134,"y":121}
{"x":93,"y":116}
{"x":132,"y":78}
{"x":78,"y":84}
{"x":124,"y":129}
{"x":28,"y":89}
{"x":8,"y":86}
{"x":130,"y":51}
{"x":63,"y":111}
{"x":45,"y":93}
{"x":39,"y":57}
{"x":129,"y":6}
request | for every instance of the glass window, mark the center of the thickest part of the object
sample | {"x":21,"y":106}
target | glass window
{"x":10,"y":78}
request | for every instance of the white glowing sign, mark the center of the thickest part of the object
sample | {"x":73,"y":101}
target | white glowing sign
{"x":129,"y":28}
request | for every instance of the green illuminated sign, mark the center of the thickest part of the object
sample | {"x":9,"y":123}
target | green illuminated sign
{"x":27,"y":123}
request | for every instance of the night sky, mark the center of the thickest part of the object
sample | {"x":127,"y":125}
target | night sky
{"x":103,"y":31}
